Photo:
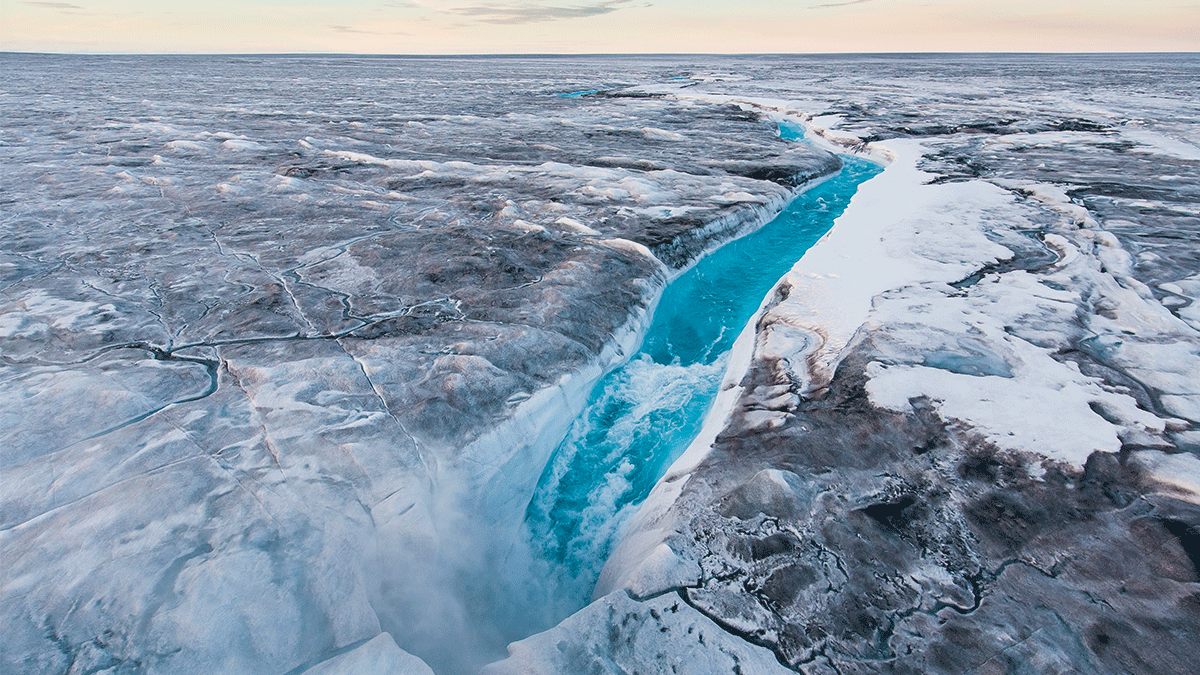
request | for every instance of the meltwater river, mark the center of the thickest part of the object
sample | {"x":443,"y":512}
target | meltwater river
{"x":643,"y":415}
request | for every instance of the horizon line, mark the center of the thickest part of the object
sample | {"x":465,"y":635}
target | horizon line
{"x":595,"y":54}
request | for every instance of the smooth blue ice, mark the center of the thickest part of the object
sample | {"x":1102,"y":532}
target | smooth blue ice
{"x":643,"y":415}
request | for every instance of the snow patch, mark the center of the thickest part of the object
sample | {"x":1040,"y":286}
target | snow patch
{"x":575,"y":226}
{"x":661,"y":134}
{"x":1181,"y":471}
{"x":243,"y":146}
{"x":1157,"y":143}
{"x":378,"y":656}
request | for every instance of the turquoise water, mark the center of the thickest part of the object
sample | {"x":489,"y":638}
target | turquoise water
{"x":643,"y":415}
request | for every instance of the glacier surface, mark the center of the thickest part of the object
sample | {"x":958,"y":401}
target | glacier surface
{"x":288,"y":342}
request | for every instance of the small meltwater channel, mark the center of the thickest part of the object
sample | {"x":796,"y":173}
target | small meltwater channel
{"x":643,"y":415}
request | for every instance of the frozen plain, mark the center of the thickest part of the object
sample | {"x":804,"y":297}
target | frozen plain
{"x":286,"y":341}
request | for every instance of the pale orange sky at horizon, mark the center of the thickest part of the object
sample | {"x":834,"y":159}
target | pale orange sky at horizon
{"x":598,"y":26}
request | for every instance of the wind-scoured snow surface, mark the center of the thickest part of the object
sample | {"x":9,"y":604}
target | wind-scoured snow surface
{"x":287,"y":344}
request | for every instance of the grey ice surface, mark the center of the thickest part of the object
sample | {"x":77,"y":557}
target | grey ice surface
{"x":263,"y":321}
{"x":284,"y":340}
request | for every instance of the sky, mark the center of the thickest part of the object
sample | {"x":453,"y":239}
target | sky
{"x":597,"y":26}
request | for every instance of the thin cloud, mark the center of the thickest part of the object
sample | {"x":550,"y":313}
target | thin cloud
{"x":841,"y":4}
{"x":359,"y":31}
{"x":52,"y":5}
{"x":526,"y":13}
